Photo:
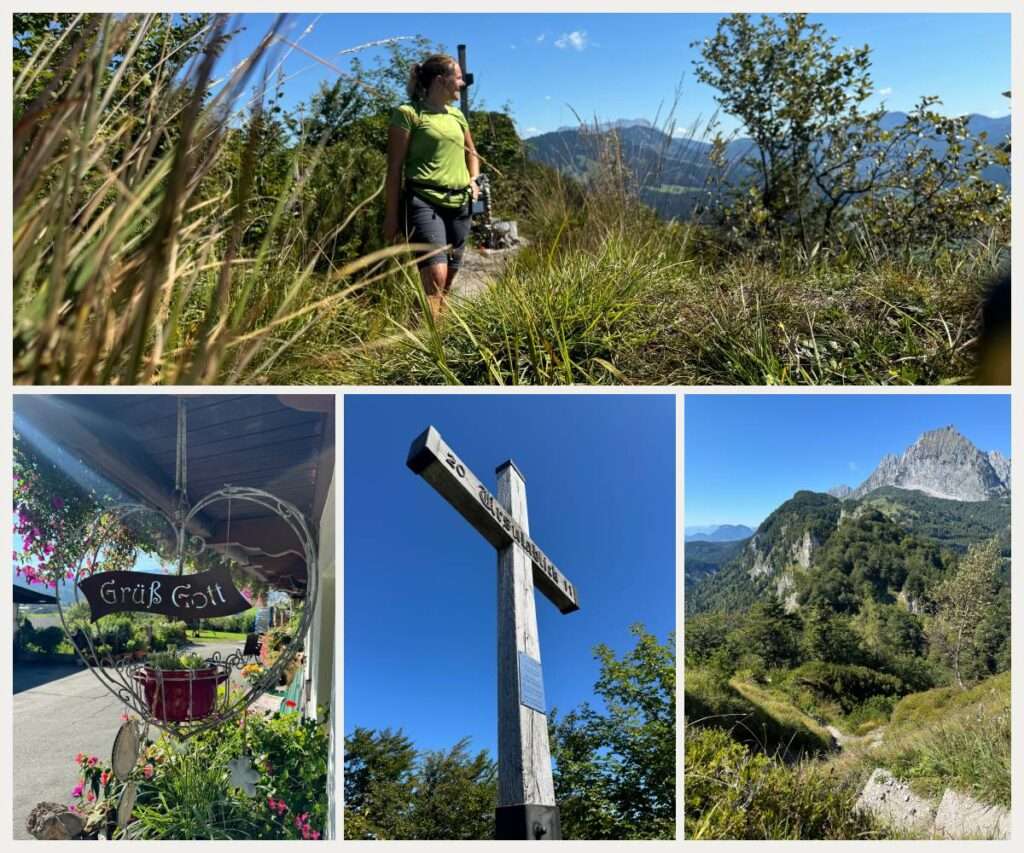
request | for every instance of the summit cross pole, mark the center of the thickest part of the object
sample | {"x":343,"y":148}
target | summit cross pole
{"x":526,"y":794}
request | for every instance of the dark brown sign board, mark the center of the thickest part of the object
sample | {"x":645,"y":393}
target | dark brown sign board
{"x":437,"y":463}
{"x":185,"y":597}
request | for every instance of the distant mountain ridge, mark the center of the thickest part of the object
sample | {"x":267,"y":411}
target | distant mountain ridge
{"x":674,"y":172}
{"x":718,"y":533}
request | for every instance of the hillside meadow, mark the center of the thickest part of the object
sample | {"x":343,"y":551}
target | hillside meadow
{"x":172,"y":226}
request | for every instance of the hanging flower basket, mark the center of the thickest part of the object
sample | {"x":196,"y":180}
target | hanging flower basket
{"x":180,"y":695}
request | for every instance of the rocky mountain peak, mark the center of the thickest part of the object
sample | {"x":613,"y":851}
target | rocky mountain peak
{"x":944,"y":464}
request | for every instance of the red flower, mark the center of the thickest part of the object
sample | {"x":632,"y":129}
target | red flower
{"x":290,"y":703}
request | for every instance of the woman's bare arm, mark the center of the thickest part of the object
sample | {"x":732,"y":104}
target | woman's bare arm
{"x":472,"y":163}
{"x":398,"y":147}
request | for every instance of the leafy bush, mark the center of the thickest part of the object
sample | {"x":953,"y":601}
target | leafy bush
{"x":846,"y":685}
{"x":732,"y":793}
{"x":44,"y":640}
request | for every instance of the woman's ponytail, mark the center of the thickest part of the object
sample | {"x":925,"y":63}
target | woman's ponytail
{"x":422,"y":74}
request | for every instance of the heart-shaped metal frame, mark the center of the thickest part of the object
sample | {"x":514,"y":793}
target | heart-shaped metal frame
{"x":120,"y":676}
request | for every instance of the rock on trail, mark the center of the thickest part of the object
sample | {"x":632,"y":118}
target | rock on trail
{"x":957,"y":816}
{"x":479,"y":268}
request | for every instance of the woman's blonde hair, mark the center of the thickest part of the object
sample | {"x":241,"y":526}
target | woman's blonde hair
{"x":422,"y":74}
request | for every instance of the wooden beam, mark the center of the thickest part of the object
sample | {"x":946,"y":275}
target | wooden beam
{"x":437,"y":463}
{"x":524,"y":757}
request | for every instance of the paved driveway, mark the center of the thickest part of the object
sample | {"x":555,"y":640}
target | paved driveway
{"x":60,"y":711}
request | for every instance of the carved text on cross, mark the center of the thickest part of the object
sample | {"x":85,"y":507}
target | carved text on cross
{"x":437,"y":463}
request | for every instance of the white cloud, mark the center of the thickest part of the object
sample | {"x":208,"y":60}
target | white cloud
{"x":577,"y":40}
{"x":886,"y":91}
{"x":541,"y":38}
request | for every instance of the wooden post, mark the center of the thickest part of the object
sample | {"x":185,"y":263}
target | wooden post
{"x":467,"y":79}
{"x":526,"y":793}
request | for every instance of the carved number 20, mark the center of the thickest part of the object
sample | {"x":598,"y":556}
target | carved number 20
{"x":455,"y":465}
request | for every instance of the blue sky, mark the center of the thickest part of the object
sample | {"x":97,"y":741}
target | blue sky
{"x":625,"y":65}
{"x":746,"y":454}
{"x":420,"y":583}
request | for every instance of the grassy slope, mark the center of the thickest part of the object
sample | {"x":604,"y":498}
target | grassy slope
{"x":935,"y":739}
{"x":952,"y":738}
{"x":753,"y":715}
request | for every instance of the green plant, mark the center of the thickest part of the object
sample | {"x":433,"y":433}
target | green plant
{"x":46,"y":640}
{"x":732,"y":793}
{"x":171,"y":660}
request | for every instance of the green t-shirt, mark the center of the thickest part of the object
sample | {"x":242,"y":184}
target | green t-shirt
{"x":437,"y":152}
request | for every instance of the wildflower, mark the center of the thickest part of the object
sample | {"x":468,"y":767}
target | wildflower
{"x":77,"y":790}
{"x":147,"y":771}
{"x":90,"y":796}
{"x":93,"y":759}
{"x":290,"y":703}
{"x":80,"y":757}
{"x":104,"y":777}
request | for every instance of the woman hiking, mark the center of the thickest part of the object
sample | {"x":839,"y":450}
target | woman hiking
{"x":429,"y":144}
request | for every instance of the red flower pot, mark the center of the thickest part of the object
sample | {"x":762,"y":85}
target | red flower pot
{"x":180,"y":695}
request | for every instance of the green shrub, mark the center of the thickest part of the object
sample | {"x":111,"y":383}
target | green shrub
{"x":846,"y":685}
{"x":732,"y":793}
{"x":46,"y":640}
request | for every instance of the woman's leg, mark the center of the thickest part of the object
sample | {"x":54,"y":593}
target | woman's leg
{"x":425,"y":224}
{"x":457,"y":227}
{"x":436,"y":280}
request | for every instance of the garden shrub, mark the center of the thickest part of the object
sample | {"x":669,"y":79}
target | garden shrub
{"x":45,"y":640}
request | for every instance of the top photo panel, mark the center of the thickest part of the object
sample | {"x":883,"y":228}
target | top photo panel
{"x":505,"y":199}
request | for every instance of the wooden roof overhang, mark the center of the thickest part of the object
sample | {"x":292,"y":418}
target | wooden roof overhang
{"x":279,"y":443}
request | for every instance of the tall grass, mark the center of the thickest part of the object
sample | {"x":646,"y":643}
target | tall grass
{"x":733,"y":793}
{"x":952,"y":738}
{"x":132,"y":184}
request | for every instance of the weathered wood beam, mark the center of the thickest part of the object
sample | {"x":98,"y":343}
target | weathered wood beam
{"x":438,"y":464}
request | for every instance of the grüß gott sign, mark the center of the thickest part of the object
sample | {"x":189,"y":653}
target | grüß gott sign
{"x":184,"y":597}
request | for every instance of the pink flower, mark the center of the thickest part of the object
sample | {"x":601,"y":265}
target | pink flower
{"x":104,"y":777}
{"x":90,"y":796}
{"x":147,"y":771}
{"x":77,"y":790}
{"x":92,"y":760}
{"x":124,"y":714}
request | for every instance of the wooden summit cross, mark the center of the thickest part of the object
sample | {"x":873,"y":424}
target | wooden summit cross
{"x":526,"y":794}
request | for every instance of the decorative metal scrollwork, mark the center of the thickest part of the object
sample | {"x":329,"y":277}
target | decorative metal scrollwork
{"x":160,"y":696}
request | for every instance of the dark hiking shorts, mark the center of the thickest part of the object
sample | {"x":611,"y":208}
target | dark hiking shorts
{"x":430,"y":223}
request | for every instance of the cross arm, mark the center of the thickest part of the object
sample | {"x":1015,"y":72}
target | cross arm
{"x":437,"y":463}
